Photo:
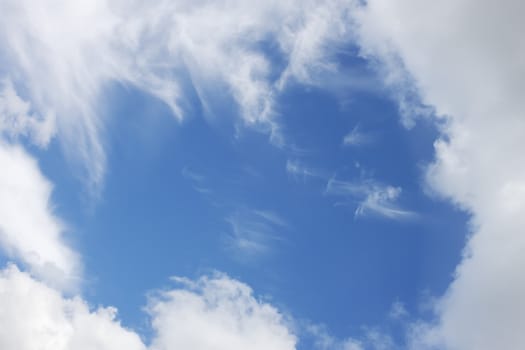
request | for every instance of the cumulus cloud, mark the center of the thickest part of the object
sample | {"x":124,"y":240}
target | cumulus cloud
{"x":34,"y":316}
{"x":217,"y":313}
{"x":63,"y":56}
{"x":29,"y":230}
{"x":465,"y":59}
{"x":210,"y":313}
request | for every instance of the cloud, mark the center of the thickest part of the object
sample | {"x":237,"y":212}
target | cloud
{"x":371,"y":339}
{"x":253,"y":231}
{"x":59,"y":59}
{"x":214,"y":312}
{"x":34,"y":316}
{"x":373,"y":198}
{"x":476,"y":89}
{"x":397,"y":311}
{"x":217,"y":313}
{"x":17,"y":120}
{"x":296,"y":169}
{"x":198,"y":180}
{"x":29,"y":230}
{"x":190,"y":174}
{"x":64,"y":56}
{"x":356,"y":138}
{"x":323,"y":340}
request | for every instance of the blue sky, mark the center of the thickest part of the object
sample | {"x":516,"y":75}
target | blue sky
{"x":272,"y":176}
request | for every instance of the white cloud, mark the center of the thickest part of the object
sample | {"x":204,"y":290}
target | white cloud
{"x":356,"y":138}
{"x":58,"y":60}
{"x":64,"y":56}
{"x":217,"y":313}
{"x":198,"y":181}
{"x":397,"y":311}
{"x":296,"y":170}
{"x":371,"y":339}
{"x":192,"y":175}
{"x":34,"y":316}
{"x":381,"y":200}
{"x":211,"y":313}
{"x":29,"y":230}
{"x":465,"y":58}
{"x":373,"y":198}
{"x":254,"y":231}
{"x":323,"y":340}
{"x":16,"y":118}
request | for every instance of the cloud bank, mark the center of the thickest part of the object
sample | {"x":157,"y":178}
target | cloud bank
{"x":465,"y":59}
{"x":210,"y":313}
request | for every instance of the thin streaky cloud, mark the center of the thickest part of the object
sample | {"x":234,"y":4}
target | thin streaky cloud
{"x":190,"y":174}
{"x":356,"y":138}
{"x":297,"y":169}
{"x":373,"y":198}
{"x":197,"y":180}
{"x":253,"y":232}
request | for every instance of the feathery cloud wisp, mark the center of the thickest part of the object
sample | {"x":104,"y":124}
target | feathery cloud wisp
{"x":64,"y":56}
{"x":253,"y":231}
{"x":372,"y":197}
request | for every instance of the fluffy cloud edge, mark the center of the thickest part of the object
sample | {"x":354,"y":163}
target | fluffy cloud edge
{"x":212,"y":312}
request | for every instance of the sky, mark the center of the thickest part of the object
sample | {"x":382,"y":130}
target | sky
{"x":314,"y":174}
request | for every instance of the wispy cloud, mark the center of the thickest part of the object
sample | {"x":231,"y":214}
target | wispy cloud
{"x":254,"y":231}
{"x":381,"y":201}
{"x":356,"y":137}
{"x":298,"y":170}
{"x":198,"y":180}
{"x":87,"y":46}
{"x":17,"y":119}
{"x":398,"y":311}
{"x":373,"y":198}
